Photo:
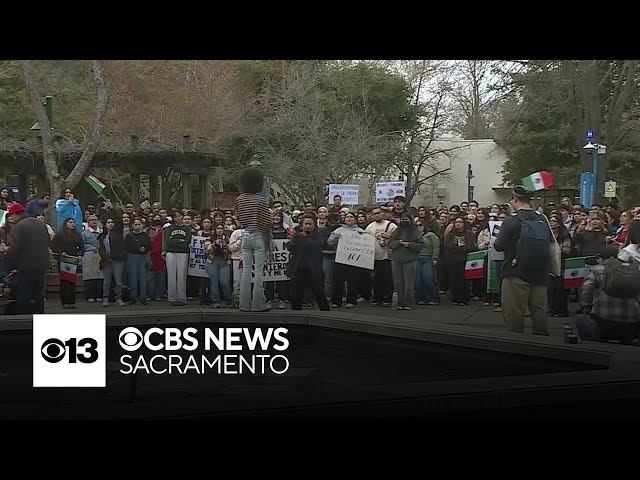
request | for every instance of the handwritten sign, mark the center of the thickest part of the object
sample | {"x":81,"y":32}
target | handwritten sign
{"x":276,"y":265}
{"x":197,"y":257}
{"x":494,"y":229}
{"x":386,"y":191}
{"x":349,"y":193}
{"x":356,"y":249}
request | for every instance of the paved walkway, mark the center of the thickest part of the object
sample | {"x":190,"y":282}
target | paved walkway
{"x":473,"y":315}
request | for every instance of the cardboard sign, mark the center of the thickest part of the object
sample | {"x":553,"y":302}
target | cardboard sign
{"x":357,"y":249}
{"x":197,"y":257}
{"x":494,"y":229}
{"x":276,"y":265}
{"x":349,"y":193}
{"x":386,"y":191}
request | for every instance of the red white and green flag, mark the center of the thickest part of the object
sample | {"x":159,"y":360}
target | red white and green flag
{"x":96,"y":183}
{"x":538,"y":181}
{"x":68,"y":268}
{"x":575,"y":271}
{"x":474,"y":268}
{"x":3,"y":217}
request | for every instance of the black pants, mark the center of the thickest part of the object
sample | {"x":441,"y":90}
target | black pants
{"x":93,"y":288}
{"x":67,"y":292}
{"x":29,"y":291}
{"x":303,"y":281}
{"x":443,"y":274}
{"x":351,"y":275}
{"x":281,"y":287}
{"x":557,"y":297}
{"x":457,"y":284}
{"x":382,"y":281}
{"x":364,"y":284}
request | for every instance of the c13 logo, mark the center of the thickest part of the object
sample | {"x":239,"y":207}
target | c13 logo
{"x":55,"y":350}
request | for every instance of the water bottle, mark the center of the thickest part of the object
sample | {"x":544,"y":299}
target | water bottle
{"x":394,"y":301}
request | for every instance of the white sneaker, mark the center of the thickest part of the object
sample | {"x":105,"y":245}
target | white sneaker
{"x":360,"y":300}
{"x":120,"y":303}
{"x":99,"y":299}
{"x":497,"y":310}
{"x":91,"y":300}
{"x":281,"y":306}
{"x":267,"y":306}
{"x":349,"y":305}
{"x":105,"y":303}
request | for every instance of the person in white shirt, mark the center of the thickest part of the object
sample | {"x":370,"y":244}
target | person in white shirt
{"x":235,"y":247}
{"x":383,"y":279}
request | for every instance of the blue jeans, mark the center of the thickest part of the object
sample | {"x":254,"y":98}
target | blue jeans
{"x":113,"y":269}
{"x":328,"y":263}
{"x":30,"y":286}
{"x":426,"y":283}
{"x":253,"y":248}
{"x":219,"y":276}
{"x":157,"y":284}
{"x":137,"y":274}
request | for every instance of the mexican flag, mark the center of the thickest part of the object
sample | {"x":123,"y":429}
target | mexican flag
{"x":538,"y":181}
{"x":68,"y":268}
{"x":575,"y":272}
{"x":474,"y":268}
{"x":492,"y":277}
{"x":3,"y":217}
{"x":95,"y":183}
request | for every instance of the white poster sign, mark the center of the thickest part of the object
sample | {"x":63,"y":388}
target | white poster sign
{"x":197,"y":257}
{"x":357,"y":249}
{"x":349,"y":193}
{"x":494,"y":229}
{"x":276,"y":265}
{"x":385,"y":191}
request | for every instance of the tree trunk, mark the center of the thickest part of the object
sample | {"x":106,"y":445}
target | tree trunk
{"x":57,"y":183}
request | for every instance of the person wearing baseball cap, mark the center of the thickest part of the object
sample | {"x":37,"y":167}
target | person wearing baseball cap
{"x":524,"y":283}
{"x":398,"y":208}
{"x":29,"y":250}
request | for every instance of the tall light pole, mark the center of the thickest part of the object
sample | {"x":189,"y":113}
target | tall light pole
{"x":596,"y":149}
{"x":256,"y":163}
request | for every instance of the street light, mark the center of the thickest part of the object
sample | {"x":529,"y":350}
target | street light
{"x":596,"y":149}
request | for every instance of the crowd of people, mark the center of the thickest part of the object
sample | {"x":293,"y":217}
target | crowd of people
{"x":140,"y":253}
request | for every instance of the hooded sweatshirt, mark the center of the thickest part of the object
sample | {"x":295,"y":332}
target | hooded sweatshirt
{"x":343,"y":230}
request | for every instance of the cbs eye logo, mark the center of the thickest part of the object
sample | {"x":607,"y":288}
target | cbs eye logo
{"x":55,"y":350}
{"x":130,"y":339}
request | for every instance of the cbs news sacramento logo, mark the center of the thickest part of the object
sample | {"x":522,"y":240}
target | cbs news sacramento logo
{"x":69,"y":350}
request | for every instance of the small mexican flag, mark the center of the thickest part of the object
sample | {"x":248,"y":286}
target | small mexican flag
{"x":68,"y":268}
{"x":3,"y":217}
{"x":474,"y":268}
{"x":95,"y":183}
{"x":538,"y":181}
{"x":575,"y":272}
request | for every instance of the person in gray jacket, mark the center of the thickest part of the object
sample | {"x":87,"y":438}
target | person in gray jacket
{"x":92,"y":275}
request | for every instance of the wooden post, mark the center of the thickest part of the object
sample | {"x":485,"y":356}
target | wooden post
{"x":135,"y":186}
{"x":154,"y":189}
{"x":186,"y":190}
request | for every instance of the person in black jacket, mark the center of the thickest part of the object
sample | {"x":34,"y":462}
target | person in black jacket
{"x":305,"y":265}
{"x":114,"y":256}
{"x":67,"y":242}
{"x":138,"y":245}
{"x":29,"y":251}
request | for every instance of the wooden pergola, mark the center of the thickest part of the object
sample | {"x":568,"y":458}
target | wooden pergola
{"x":139,"y":159}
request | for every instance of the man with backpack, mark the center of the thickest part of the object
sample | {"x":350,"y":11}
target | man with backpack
{"x":525,"y":239}
{"x":611,"y":299}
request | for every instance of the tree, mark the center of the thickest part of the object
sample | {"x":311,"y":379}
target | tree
{"x":57,"y":181}
{"x":322,"y":123}
{"x":420,"y":157}
{"x":558,"y":102}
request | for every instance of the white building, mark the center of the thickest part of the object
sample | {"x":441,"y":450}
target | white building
{"x":487,"y":160}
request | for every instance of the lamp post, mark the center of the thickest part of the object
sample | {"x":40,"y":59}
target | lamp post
{"x":256,"y":163}
{"x":596,"y":149}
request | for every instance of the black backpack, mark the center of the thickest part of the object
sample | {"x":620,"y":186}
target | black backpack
{"x":621,"y":279}
{"x":532,"y":254}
